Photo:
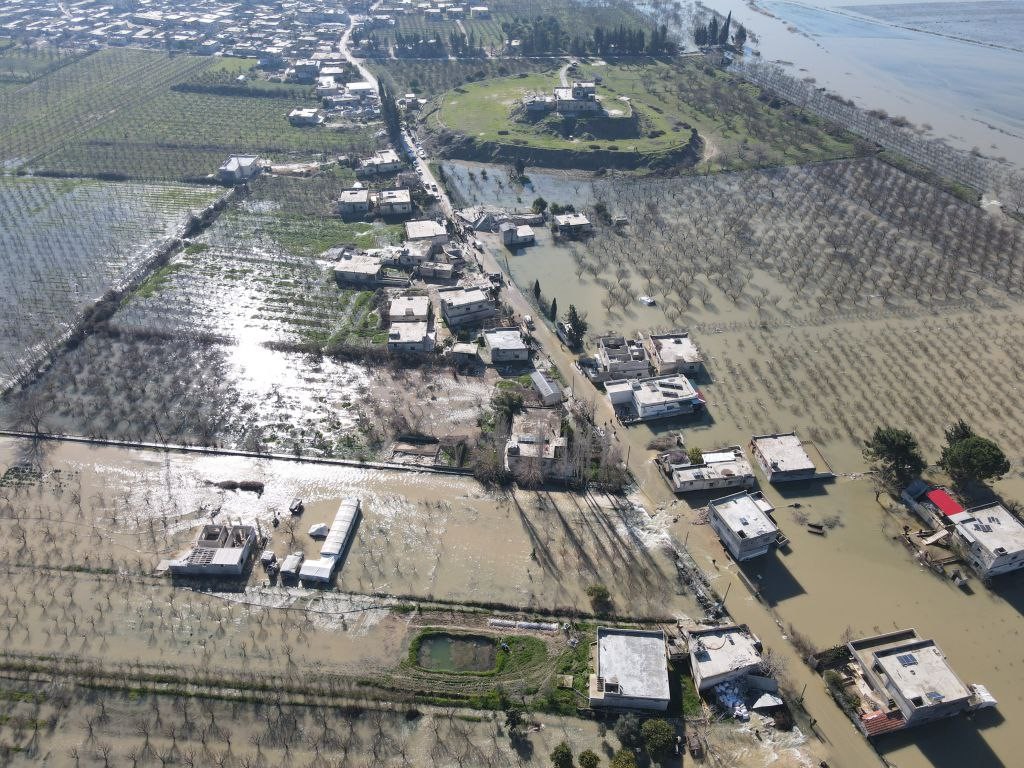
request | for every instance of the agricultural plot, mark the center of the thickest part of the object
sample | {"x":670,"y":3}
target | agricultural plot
{"x":19,"y":65}
{"x":431,"y":77}
{"x":828,"y":298}
{"x":122,"y":113}
{"x":65,"y":243}
{"x":652,"y":107}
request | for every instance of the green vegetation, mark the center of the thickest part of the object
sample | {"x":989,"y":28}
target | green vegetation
{"x":969,"y":458}
{"x":659,"y":736}
{"x":312,"y":235}
{"x":692,"y":706}
{"x":128,"y":113}
{"x":600,"y":599}
{"x":156,"y":281}
{"x":895,"y":455}
{"x":561,"y":756}
{"x":589,"y":759}
{"x":653,"y":106}
{"x":624,"y":758}
{"x":22,"y":64}
{"x":847,"y":699}
{"x":432,"y":78}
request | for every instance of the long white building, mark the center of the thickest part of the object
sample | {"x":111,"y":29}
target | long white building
{"x":338,"y":538}
{"x":658,"y":397}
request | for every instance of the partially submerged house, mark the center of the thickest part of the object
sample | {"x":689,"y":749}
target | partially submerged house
{"x":220,"y":550}
{"x":783,"y":458}
{"x":617,"y":358}
{"x":536,"y":449}
{"x":658,"y":397}
{"x":722,"y":654}
{"x":515,"y":235}
{"x":505,"y":345}
{"x":239,"y":168}
{"x":631,"y":670}
{"x":572,"y":223}
{"x":673,"y":353}
{"x":991,"y":538}
{"x":720,"y":468}
{"x":743,"y":522}
{"x":908,"y":682}
{"x":335,"y":543}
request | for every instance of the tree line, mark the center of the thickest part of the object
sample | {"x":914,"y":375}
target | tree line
{"x":712,"y":33}
{"x":545,"y":34}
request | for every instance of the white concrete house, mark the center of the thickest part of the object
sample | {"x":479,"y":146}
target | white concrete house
{"x":991,"y":538}
{"x":743,"y":522}
{"x":505,"y":345}
{"x":631,"y":670}
{"x":721,"y":654}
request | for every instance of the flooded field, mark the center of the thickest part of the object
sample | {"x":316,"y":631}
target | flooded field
{"x":422,"y":535}
{"x":64,"y":725}
{"x":938,"y":64}
{"x":64,"y":243}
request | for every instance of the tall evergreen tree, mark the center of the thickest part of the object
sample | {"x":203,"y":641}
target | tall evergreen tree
{"x":723,"y":36}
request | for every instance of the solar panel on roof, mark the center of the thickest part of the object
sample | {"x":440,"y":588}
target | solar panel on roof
{"x":907,"y":659}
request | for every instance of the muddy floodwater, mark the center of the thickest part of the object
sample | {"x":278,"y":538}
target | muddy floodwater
{"x":953,"y":66}
{"x":457,"y":653}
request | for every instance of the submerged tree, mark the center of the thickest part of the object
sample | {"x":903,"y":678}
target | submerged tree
{"x":895,"y":454}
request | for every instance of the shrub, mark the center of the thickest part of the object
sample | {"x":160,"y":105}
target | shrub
{"x":600,"y":598}
{"x":658,"y":736}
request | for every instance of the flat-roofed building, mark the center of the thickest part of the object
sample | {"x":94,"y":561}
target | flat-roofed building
{"x":239,"y":168}
{"x":782,"y":458}
{"x":673,"y":353}
{"x":354,"y":201}
{"x":992,"y":539}
{"x":426,"y":231}
{"x":913,"y":674}
{"x":631,"y":670}
{"x":358,"y":269}
{"x":721,"y":654}
{"x":618,"y":358}
{"x":466,"y":306}
{"x":394,"y":202}
{"x":220,"y":550}
{"x":720,"y":468}
{"x":383,"y":162}
{"x":409,"y":309}
{"x":410,"y":338}
{"x":513,"y":235}
{"x":305,"y":116}
{"x":658,"y":397}
{"x":438,"y":271}
{"x":536,"y":451}
{"x":743,"y":522}
{"x":505,"y":345}
{"x":572,"y":223}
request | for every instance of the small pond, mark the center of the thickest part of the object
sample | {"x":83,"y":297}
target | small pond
{"x":458,"y":653}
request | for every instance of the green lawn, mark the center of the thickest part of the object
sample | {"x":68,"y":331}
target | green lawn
{"x":741,"y":128}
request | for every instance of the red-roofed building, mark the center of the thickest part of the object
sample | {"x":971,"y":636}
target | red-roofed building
{"x":947,"y":504}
